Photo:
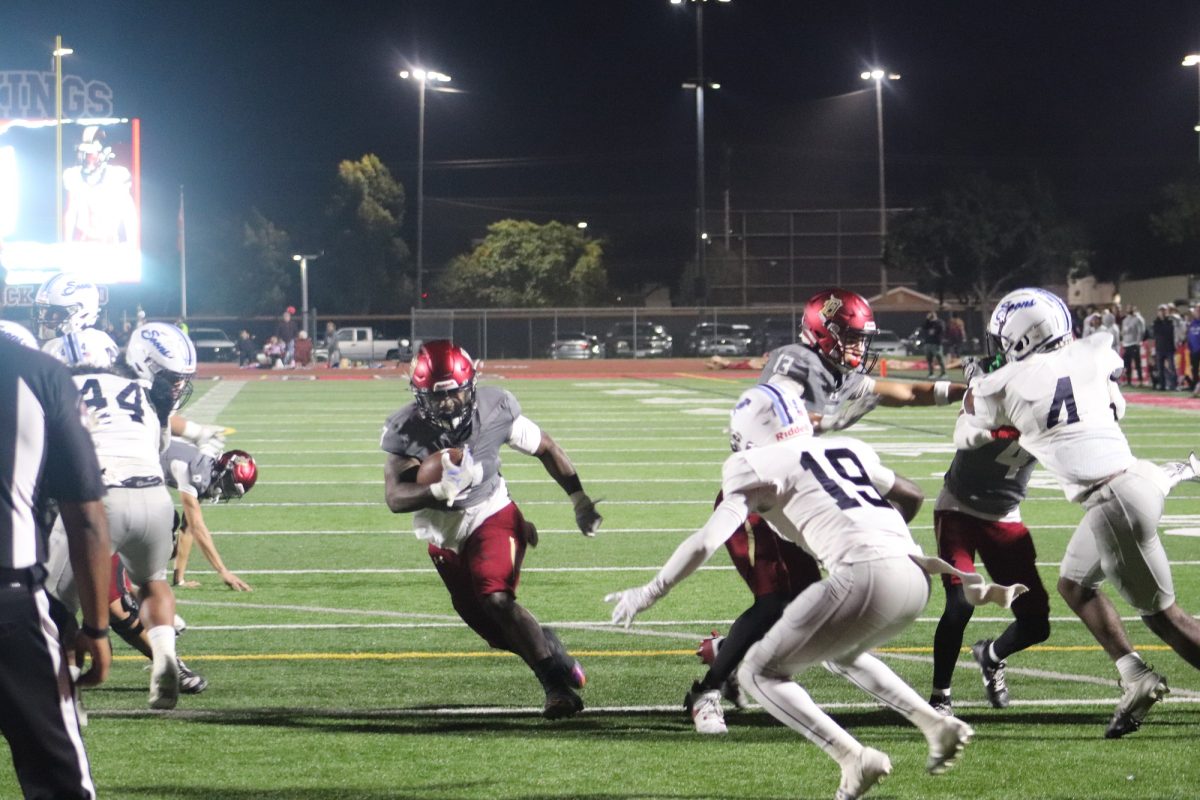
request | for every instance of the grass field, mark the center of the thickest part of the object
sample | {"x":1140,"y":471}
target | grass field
{"x":346,"y":674}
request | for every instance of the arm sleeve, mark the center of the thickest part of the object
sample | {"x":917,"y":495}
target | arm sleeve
{"x":72,"y":472}
{"x":693,"y":551}
{"x":1117,"y":399}
{"x":181,"y":474}
{"x":525,"y":436}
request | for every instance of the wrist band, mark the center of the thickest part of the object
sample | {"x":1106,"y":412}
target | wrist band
{"x":95,"y":633}
{"x":941,"y":393}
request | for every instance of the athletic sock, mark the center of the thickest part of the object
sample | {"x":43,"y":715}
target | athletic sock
{"x":162,"y":642}
{"x":942,"y":693}
{"x":1131,"y":667}
{"x":991,"y":654}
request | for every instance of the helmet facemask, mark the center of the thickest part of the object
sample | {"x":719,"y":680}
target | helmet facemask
{"x":234,"y":474}
{"x":170,"y":390}
{"x":450,"y":409}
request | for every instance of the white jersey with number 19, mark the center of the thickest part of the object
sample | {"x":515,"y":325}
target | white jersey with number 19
{"x":1066,"y":405}
{"x":826,"y":495}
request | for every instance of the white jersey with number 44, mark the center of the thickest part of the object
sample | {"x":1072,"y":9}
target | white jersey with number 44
{"x":123,"y":424}
{"x":826,"y":495}
{"x":1066,"y":405}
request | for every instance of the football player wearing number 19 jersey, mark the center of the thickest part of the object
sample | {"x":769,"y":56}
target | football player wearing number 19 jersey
{"x":1062,"y":396}
{"x":834,"y":498}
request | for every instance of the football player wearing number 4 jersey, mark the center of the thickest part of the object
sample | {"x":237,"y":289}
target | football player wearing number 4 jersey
{"x":1062,"y":396}
{"x":477,"y":535}
{"x":834,"y":498}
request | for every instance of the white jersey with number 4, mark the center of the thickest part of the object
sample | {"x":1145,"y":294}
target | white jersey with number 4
{"x":124,"y":427}
{"x":1066,"y":404}
{"x":826,"y":495}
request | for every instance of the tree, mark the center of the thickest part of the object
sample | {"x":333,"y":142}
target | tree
{"x":978,"y":238}
{"x":365,"y":267}
{"x":522,"y":264}
{"x":247,"y":266}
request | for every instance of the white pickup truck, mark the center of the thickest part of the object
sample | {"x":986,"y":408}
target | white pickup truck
{"x":365,"y":344}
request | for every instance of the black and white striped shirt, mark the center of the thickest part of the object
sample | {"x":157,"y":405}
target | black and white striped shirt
{"x":45,"y":452}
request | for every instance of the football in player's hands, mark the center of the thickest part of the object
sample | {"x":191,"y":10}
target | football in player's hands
{"x":430,"y":471}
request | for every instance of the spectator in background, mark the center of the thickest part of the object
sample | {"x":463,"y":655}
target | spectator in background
{"x":956,"y":335}
{"x":1133,"y":330}
{"x":933,"y":330}
{"x":1164,"y":349}
{"x":1193,"y":343}
{"x":1181,"y":346}
{"x":247,"y":349}
{"x":126,"y":332}
{"x":273,"y":353}
{"x":303,"y":349}
{"x":331,"y":344}
{"x":286,"y":331}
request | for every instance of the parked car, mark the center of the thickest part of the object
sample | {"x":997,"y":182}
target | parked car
{"x":638,"y":340}
{"x":212,"y":344}
{"x":576,"y":344}
{"x":366,"y":344}
{"x":888,"y":343}
{"x":775,"y":332}
{"x":719,"y":339}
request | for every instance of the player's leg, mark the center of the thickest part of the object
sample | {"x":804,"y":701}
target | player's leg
{"x":955,"y":533}
{"x":145,"y":545}
{"x":494,"y":553}
{"x":1008,"y":553}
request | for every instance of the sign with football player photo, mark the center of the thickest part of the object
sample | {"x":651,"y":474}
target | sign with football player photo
{"x":98,"y":235}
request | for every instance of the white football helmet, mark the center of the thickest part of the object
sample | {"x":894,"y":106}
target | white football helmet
{"x":767,"y":414}
{"x":164,"y":355}
{"x":90,"y":347}
{"x":1028,"y":321}
{"x":16,"y":332}
{"x":65,"y":304}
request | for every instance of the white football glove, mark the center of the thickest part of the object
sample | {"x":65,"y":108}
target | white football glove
{"x":631,"y":602}
{"x":586,"y":516}
{"x":972,"y":370}
{"x":849,"y":409}
{"x":456,"y":478}
{"x":200,"y":434}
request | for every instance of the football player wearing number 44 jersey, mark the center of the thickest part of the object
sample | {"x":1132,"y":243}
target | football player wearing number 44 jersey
{"x":834,"y":498}
{"x":1063,"y":398}
{"x":477,"y":536}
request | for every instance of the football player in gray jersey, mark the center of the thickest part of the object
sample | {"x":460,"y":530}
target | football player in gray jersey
{"x":477,"y":535}
{"x":199,"y":476}
{"x":979,"y":511}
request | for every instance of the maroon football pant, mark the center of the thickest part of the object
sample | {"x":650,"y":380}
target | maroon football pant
{"x":1005,"y":548}
{"x":768,"y":563}
{"x":489,"y":561}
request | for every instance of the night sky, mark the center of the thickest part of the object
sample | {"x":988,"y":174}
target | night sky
{"x":573,"y":110}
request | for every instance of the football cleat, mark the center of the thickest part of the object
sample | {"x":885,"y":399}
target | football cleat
{"x":941,"y":704}
{"x":190,"y":681}
{"x":705,"y":706}
{"x":1135,"y":704}
{"x":946,"y":742}
{"x":561,"y":702}
{"x":164,"y":683}
{"x":708,"y":648}
{"x":868,"y":769}
{"x":731,"y":690}
{"x":576,"y":677}
{"x":994,"y":683}
{"x":180,"y":625}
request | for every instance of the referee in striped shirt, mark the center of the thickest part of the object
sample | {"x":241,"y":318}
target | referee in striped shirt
{"x":45,"y":454}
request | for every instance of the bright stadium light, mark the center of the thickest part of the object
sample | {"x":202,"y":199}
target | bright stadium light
{"x":879,"y":75}
{"x":422,"y":77}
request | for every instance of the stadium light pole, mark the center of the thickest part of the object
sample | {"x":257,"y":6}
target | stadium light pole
{"x":1193,"y":60}
{"x":304,"y":258}
{"x":879,"y":76}
{"x":422,"y":77}
{"x":58,"y":53}
{"x":699,"y":85}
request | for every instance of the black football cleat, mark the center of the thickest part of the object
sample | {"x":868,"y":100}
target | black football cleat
{"x":994,"y":683}
{"x":561,"y":702}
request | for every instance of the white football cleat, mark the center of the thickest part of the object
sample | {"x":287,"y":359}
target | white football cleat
{"x":1136,"y":700}
{"x":946,"y":742}
{"x":180,"y":625}
{"x":164,"y":683}
{"x":868,"y":769}
{"x":707,"y":714}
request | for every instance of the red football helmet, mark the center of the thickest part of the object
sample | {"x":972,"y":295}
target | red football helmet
{"x":234,"y":474}
{"x":443,"y":379}
{"x":840,"y":325}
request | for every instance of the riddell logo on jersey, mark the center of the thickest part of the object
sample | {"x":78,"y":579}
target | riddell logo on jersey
{"x":795,"y":430}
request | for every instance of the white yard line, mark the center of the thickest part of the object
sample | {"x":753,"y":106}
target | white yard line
{"x":209,"y":407}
